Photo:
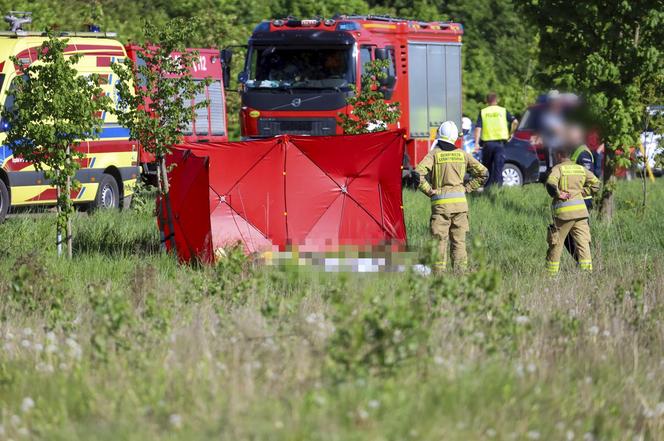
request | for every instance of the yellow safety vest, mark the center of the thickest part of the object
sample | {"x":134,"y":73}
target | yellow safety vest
{"x":494,"y":124}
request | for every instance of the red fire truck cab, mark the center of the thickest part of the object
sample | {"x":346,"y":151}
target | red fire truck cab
{"x":209,"y":123}
{"x":298,"y":73}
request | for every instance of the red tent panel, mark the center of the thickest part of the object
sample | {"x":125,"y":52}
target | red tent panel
{"x":316,"y":193}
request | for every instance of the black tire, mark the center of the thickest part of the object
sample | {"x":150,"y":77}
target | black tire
{"x":4,"y":201}
{"x":512,"y":176}
{"x":108,"y":194}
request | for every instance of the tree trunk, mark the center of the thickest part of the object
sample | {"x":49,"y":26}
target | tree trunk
{"x":70,"y":246}
{"x":606,"y":204}
{"x":58,"y":232}
{"x":165,"y":189}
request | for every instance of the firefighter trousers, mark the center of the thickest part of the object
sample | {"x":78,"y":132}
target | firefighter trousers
{"x":558,"y":232}
{"x":450,"y":229}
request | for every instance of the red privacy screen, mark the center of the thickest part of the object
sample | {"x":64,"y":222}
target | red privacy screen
{"x":312,"y":193}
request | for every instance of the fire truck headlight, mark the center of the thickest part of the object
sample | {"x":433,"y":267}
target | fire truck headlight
{"x":329,"y":22}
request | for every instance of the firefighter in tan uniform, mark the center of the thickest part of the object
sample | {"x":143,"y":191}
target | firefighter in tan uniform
{"x":569,"y":184}
{"x":442,"y":173}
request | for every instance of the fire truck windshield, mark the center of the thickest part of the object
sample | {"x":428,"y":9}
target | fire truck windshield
{"x":272,"y":67}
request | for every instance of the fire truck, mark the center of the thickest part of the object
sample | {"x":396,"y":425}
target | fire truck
{"x":297,"y":75}
{"x":112,"y":163}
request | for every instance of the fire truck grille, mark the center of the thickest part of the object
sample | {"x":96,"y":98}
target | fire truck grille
{"x":289,"y":126}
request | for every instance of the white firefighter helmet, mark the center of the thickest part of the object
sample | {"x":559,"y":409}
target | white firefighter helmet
{"x":448,"y":132}
{"x":466,"y":123}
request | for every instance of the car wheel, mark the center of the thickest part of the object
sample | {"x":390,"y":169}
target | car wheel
{"x":512,"y":176}
{"x":4,"y":201}
{"x":108,"y":194}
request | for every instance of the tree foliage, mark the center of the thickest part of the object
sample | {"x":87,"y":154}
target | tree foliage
{"x":612,"y":54}
{"x":50,"y":108}
{"x":159,"y":108}
{"x":370,"y":112}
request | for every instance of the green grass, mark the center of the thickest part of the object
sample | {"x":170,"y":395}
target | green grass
{"x":135,"y":346}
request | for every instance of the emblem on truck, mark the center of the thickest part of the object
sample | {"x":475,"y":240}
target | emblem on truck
{"x":296,"y":102}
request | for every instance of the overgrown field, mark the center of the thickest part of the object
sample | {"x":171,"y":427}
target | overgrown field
{"x":122,"y":343}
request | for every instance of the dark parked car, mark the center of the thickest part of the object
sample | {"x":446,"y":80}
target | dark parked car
{"x":522,"y":166}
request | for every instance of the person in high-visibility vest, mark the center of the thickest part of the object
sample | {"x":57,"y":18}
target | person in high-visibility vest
{"x":492,"y":130}
{"x":568,"y":184}
{"x":442,"y":173}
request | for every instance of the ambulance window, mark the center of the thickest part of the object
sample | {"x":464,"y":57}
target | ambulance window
{"x":201,"y":120}
{"x":365,"y":57}
{"x":216,"y":108}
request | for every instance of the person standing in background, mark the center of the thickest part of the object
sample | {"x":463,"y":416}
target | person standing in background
{"x":493,"y":128}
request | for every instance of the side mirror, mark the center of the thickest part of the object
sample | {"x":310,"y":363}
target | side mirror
{"x":226,"y":63}
{"x":381,"y":54}
{"x":242,"y":77}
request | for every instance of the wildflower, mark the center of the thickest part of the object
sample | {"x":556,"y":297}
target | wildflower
{"x":569,"y":435}
{"x":362,"y":414}
{"x":588,"y":436}
{"x":519,"y":370}
{"x":659,"y":409}
{"x":522,"y":320}
{"x":23,"y":431}
{"x":38,"y":347}
{"x":438,"y":360}
{"x":606,"y":333}
{"x":374,"y":404}
{"x":26,"y":344}
{"x":531,"y":368}
{"x":15,"y":420}
{"x":319,"y":399}
{"x":27,"y":404}
{"x":50,"y":337}
{"x":279,"y":424}
{"x":491,"y":432}
{"x":533,"y":434}
{"x":45,"y":368}
{"x":74,"y":349}
{"x":51,"y":349}
{"x":27,"y":332}
{"x":593,"y":330}
{"x":9,"y":336}
{"x":2,"y":430}
{"x":175,"y":420}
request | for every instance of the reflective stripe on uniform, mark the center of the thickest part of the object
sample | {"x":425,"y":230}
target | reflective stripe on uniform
{"x":448,"y":198}
{"x":586,"y":264}
{"x":552,"y":267}
{"x":567,"y":206}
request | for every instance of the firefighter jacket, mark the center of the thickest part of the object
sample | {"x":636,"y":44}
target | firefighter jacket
{"x":575,"y":180}
{"x":494,"y":124}
{"x":442,"y":174}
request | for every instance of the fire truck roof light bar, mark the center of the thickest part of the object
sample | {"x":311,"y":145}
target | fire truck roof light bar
{"x":60,"y":34}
